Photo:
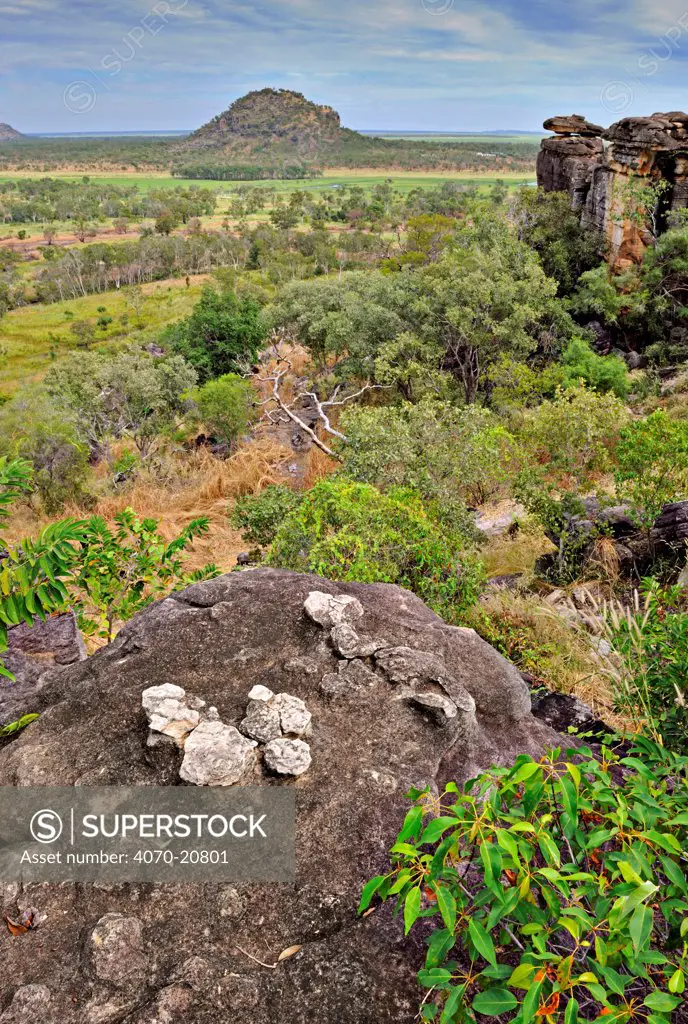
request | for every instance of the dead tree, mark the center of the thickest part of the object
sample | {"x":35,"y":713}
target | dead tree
{"x":283,"y":411}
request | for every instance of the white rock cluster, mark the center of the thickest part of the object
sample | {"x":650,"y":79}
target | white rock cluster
{"x":216,"y":754}
{"x":339,"y":614}
{"x":281,"y":722}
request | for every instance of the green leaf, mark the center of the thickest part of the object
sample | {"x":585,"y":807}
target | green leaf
{"x":640,"y":927}
{"x":451,"y":1007}
{"x":662,"y":1001}
{"x":522,"y":976}
{"x":436,"y":829}
{"x":571,"y":1015}
{"x":494,"y":1001}
{"x":677,"y":983}
{"x":411,"y":826}
{"x":482,"y":941}
{"x":411,"y":909}
{"x":447,"y":906}
{"x":369,"y":891}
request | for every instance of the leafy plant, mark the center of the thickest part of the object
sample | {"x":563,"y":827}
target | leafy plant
{"x":556,"y":890}
{"x":259,"y":516}
{"x":226,"y":406}
{"x":14,"y":727}
{"x":32,"y":574}
{"x":122,"y":570}
{"x":601,"y":373}
{"x":350,"y":531}
{"x":652,"y":465}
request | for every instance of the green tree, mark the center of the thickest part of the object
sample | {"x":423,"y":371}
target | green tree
{"x":222,"y":335}
{"x":226,"y":406}
{"x":34,"y":427}
{"x":449,"y":456}
{"x":131,"y":394}
{"x":601,"y":373}
{"x":547,"y":222}
{"x":652,"y":465}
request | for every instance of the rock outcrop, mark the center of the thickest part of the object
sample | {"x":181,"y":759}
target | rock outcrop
{"x":422,"y":704}
{"x":653,"y":150}
{"x":33,"y":653}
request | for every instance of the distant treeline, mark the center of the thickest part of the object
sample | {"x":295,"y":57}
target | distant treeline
{"x":243,"y":172}
{"x":34,"y":200}
{"x":265,"y":161}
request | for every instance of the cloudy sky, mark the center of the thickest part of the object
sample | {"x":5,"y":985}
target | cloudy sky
{"x":97,"y":65}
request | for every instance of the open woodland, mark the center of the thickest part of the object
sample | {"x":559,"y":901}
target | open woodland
{"x":409,"y":366}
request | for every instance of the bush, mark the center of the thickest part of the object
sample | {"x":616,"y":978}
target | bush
{"x":35,"y":428}
{"x":226,"y":406}
{"x":450,"y":456}
{"x":555,"y":891}
{"x":259,"y":516}
{"x":652,"y":464}
{"x":601,"y":373}
{"x":222,"y":335}
{"x":574,"y":435}
{"x":350,"y":531}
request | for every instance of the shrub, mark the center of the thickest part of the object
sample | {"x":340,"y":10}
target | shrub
{"x":259,"y":516}
{"x":449,"y":455}
{"x":226,"y":406}
{"x":554,"y":890}
{"x":350,"y":531}
{"x":574,"y":435}
{"x":601,"y":373}
{"x":122,"y":570}
{"x":35,"y":428}
{"x":652,"y":464}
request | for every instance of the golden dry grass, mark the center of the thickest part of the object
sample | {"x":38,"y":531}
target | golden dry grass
{"x":557,"y":653}
{"x":197,"y":485}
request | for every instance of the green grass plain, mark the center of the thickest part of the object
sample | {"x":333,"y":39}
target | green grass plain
{"x":34,"y":337}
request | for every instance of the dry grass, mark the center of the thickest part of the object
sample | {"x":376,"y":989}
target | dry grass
{"x":542,"y":642}
{"x":505,"y":555}
{"x":197,"y":485}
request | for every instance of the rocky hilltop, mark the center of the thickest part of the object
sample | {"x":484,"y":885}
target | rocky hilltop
{"x":653,"y":149}
{"x":8,"y":133}
{"x":279,"y":123}
{"x":347,"y":693}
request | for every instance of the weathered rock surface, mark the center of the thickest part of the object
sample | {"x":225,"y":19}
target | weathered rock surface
{"x":574,"y":124}
{"x":33,"y":654}
{"x":652,"y":148}
{"x":179,"y":952}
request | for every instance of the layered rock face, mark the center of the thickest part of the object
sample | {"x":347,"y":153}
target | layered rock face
{"x":652,"y":150}
{"x":380,"y":693}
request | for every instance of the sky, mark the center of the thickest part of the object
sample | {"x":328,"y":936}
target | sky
{"x":423,"y":65}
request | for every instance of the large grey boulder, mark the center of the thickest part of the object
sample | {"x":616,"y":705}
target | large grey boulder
{"x":432,"y":704}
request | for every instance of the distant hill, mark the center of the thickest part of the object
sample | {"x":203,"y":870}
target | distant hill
{"x":8,"y":133}
{"x":276,"y":126}
{"x":277,"y":133}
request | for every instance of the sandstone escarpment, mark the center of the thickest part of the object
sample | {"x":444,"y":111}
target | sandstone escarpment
{"x":605,"y":182}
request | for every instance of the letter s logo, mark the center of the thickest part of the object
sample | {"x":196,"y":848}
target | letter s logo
{"x":46,"y":826}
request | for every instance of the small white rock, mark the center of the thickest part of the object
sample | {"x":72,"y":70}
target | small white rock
{"x":328,"y":610}
{"x":294,"y":717}
{"x":217,"y":755}
{"x":261,"y":693}
{"x":288,"y":757}
{"x":155,"y":695}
